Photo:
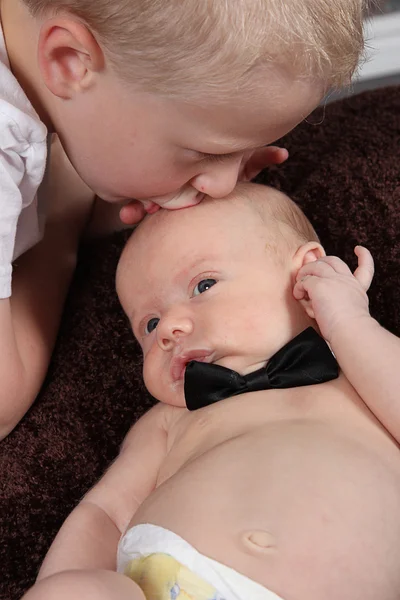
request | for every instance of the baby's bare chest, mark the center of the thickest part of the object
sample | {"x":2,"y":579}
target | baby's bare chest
{"x":255,"y":415}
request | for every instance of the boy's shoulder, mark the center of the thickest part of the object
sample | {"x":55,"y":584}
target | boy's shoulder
{"x":16,"y":111}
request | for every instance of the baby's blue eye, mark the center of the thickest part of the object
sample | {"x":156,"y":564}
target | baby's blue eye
{"x":203,"y":286}
{"x":151,"y":325}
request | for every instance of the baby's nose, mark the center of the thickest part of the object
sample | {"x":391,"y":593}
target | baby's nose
{"x":171,"y":329}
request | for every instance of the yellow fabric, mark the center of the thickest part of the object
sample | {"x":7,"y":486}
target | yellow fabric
{"x":161,"y":577}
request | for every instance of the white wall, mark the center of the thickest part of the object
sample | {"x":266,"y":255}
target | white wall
{"x":382,"y":35}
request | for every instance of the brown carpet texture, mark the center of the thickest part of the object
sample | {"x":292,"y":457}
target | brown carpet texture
{"x":344,"y":170}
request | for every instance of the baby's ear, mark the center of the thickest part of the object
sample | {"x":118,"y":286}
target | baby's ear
{"x":309,"y":252}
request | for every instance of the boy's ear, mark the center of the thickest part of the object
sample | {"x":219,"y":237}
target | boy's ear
{"x":309,"y":252}
{"x":69,"y":56}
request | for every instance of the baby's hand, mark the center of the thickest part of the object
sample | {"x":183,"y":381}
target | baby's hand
{"x":331,"y":294}
{"x":257,"y":160}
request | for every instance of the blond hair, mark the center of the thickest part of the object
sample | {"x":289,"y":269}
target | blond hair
{"x":189,"y":49}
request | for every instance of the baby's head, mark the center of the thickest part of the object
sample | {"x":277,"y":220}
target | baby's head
{"x":156,"y":99}
{"x":214,"y":282}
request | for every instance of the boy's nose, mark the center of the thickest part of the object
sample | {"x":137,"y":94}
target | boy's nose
{"x":171,"y":329}
{"x":219,"y":179}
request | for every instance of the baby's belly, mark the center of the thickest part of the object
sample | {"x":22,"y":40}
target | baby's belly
{"x":300,"y":506}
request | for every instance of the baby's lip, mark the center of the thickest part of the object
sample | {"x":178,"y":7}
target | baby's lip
{"x":178,"y":363}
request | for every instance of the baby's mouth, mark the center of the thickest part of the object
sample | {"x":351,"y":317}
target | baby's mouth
{"x":179,"y":363}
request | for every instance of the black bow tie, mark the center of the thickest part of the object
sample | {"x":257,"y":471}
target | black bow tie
{"x":305,"y":360}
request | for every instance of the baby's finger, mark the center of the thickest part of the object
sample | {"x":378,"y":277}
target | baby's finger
{"x":337,"y":264}
{"x":298,"y":291}
{"x":318,"y":268}
{"x":365,"y":270}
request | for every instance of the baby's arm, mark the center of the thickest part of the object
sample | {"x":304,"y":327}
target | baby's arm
{"x":368,"y":354}
{"x":30,"y":318}
{"x":89,"y":537}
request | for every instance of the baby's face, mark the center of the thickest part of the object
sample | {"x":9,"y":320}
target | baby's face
{"x":201,"y":284}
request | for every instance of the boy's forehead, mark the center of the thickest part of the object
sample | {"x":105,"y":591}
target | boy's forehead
{"x":278,"y":103}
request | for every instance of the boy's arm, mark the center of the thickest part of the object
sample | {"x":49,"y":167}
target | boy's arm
{"x":29,"y":319}
{"x":368,"y":355}
{"x":89,"y":537}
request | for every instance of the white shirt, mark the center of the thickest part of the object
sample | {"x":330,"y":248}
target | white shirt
{"x":23,"y":152}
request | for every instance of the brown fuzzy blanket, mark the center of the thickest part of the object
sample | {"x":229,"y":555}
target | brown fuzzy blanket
{"x":344,"y":170}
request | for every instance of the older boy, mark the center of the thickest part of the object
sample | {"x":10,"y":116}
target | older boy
{"x":162,"y":102}
{"x":289,"y":492}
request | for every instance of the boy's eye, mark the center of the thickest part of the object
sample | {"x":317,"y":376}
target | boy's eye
{"x":217,"y":157}
{"x":151,"y":325}
{"x":203,"y":286}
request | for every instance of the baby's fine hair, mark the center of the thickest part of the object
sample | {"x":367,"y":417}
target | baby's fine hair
{"x":191,"y":49}
{"x":283,"y":218}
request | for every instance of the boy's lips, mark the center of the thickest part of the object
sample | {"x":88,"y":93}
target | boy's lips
{"x":184,"y":201}
{"x":175,"y":203}
{"x":151,"y":207}
{"x":178,"y":363}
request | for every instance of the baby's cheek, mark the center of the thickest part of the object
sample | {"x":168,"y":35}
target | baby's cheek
{"x":158,"y":383}
{"x":149,"y":373}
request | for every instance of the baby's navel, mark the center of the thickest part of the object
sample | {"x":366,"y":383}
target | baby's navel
{"x":259,"y":540}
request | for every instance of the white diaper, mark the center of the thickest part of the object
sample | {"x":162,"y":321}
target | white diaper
{"x":152,"y":542}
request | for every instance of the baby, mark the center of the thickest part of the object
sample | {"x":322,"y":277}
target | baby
{"x":162,"y":102}
{"x":285,"y":493}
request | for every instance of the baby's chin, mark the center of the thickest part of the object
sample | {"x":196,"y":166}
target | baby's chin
{"x":178,"y":402}
{"x":172,"y":397}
